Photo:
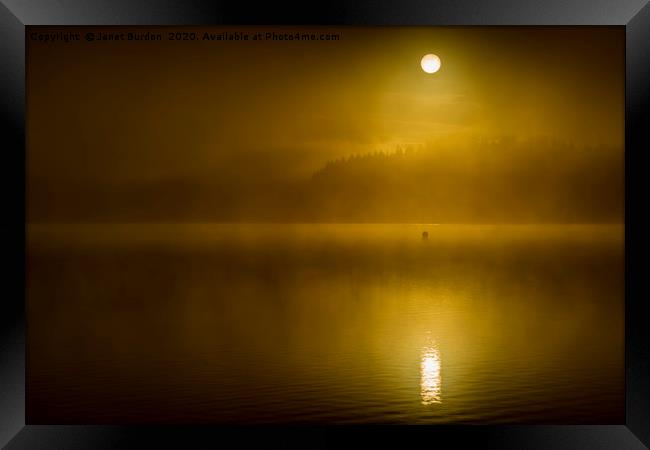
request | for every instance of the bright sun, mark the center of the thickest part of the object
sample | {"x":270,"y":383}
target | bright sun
{"x":430,"y":63}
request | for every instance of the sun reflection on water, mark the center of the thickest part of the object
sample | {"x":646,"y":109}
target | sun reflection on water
{"x":430,"y":380}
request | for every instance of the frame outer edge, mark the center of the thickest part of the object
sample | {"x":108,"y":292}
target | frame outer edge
{"x":12,"y":231}
{"x":12,"y":344}
{"x":637,"y":143}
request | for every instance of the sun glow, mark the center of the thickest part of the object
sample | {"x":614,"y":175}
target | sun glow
{"x":430,"y":63}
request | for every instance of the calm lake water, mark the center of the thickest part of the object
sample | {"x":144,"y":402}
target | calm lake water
{"x":325,"y":324}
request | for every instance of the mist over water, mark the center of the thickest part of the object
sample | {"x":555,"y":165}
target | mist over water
{"x":263,"y":323}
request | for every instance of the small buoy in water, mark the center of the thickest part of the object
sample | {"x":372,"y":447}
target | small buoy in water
{"x":425,"y":235}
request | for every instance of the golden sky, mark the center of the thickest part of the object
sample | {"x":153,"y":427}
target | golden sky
{"x":109,"y":113}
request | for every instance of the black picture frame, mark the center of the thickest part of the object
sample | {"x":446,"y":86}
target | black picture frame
{"x":15,"y":15}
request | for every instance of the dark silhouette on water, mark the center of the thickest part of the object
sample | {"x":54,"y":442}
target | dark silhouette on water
{"x":425,"y":235}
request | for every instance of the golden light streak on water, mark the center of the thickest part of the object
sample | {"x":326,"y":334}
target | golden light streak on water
{"x":430,"y":378}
